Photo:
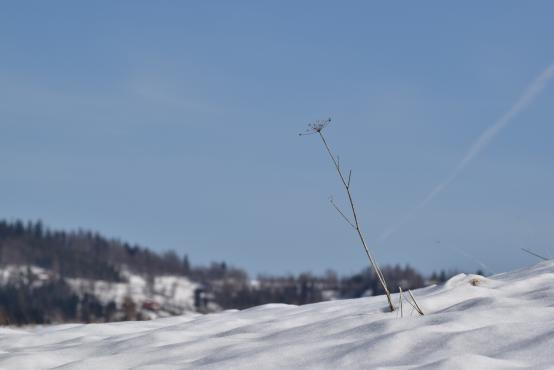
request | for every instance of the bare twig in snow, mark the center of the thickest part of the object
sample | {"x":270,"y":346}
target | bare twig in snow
{"x":400,"y":303}
{"x":317,"y":128}
{"x":416,"y":306}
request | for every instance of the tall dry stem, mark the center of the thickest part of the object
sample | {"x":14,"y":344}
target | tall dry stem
{"x":317,"y":128}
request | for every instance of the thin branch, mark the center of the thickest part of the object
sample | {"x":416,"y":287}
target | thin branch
{"x":534,"y":254}
{"x":411,"y":304}
{"x":400,"y":299}
{"x":415,"y":302}
{"x":341,"y":213}
{"x":349,"y":176}
{"x":356,"y":224}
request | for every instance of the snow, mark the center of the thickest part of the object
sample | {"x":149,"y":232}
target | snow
{"x":17,"y":274}
{"x":159,"y":296}
{"x":171,"y":294}
{"x":471,"y":322}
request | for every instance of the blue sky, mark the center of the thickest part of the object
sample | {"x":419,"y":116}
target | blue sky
{"x":174,"y":125}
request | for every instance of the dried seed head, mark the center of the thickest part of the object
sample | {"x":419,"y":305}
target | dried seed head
{"x":317,"y":126}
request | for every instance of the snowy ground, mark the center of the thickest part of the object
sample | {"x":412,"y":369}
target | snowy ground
{"x":502,"y":322}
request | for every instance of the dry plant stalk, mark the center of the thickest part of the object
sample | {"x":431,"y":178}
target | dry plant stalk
{"x":412,"y":302}
{"x":317,"y":128}
{"x":400,"y":302}
{"x":415,"y":305}
{"x":534,"y":254}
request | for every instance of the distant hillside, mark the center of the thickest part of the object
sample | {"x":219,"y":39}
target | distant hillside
{"x":33,"y":295}
{"x":49,"y":276}
{"x":81,"y":254}
{"x":55,"y":276}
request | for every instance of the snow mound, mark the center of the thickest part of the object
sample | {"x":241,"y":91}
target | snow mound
{"x":471,"y":322}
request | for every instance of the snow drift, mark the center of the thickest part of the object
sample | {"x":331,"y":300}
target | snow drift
{"x":471,"y":322}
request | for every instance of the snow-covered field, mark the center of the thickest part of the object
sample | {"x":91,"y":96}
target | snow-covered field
{"x":471,"y":322}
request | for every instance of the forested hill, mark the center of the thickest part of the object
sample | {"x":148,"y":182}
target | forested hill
{"x":49,"y":276}
{"x":81,"y":254}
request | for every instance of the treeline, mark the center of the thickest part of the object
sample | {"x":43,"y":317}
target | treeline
{"x":81,"y":254}
{"x":231,"y":288}
{"x":55,"y":302}
{"x":88,"y":255}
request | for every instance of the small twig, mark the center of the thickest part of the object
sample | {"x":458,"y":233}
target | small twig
{"x":349,"y":176}
{"x":411,"y":304}
{"x":415,"y":303}
{"x":534,"y":254}
{"x":400,"y":303}
{"x":342,"y":213}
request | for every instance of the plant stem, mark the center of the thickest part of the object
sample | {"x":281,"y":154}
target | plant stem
{"x":400,"y":299}
{"x":356,"y":224}
{"x":418,"y":309}
{"x":534,"y":254}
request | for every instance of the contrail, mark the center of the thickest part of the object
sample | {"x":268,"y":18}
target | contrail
{"x":532,"y":91}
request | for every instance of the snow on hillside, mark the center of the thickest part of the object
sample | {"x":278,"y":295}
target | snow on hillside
{"x":471,"y":322}
{"x":166,"y":294}
{"x":159,"y":296}
{"x":16,"y":274}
